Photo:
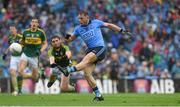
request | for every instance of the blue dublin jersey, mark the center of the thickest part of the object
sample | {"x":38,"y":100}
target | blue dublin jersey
{"x":91,"y":33}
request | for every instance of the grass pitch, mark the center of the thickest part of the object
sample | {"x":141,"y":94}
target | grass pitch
{"x":72,"y":99}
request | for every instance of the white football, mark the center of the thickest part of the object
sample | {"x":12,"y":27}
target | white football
{"x":15,"y":48}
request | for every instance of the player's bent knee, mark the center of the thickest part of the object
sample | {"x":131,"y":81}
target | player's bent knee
{"x":21,"y":68}
{"x":21,"y":72}
{"x":12,"y":72}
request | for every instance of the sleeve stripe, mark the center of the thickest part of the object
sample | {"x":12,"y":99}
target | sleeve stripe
{"x":20,"y":35}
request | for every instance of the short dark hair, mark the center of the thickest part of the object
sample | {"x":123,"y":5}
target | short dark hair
{"x":12,"y":25}
{"x":56,"y":36}
{"x":83,"y":12}
{"x":35,"y":19}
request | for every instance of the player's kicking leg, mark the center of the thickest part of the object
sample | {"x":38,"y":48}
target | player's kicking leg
{"x":88,"y":59}
{"x":87,"y":64}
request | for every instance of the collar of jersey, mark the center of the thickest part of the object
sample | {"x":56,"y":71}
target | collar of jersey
{"x":59,"y":48}
{"x":14,"y":36}
{"x":34,"y":30}
{"x":87,"y":24}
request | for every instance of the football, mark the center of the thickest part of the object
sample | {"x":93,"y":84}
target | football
{"x":15,"y":48}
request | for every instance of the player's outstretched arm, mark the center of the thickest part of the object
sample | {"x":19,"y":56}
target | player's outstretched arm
{"x":117,"y":29}
{"x":69,"y":37}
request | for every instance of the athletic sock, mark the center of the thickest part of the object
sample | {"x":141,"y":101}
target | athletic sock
{"x":71,"y":69}
{"x":53,"y":78}
{"x":96,"y":91}
{"x":19,"y":80}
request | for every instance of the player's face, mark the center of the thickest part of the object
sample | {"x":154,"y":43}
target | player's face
{"x":34,"y":23}
{"x":114,"y":56}
{"x":56,"y":42}
{"x":13,"y":30}
{"x":83,"y":19}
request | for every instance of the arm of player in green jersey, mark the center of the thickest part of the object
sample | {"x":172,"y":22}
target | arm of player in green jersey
{"x":44,"y":46}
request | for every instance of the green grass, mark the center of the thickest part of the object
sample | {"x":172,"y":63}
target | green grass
{"x":68,"y":99}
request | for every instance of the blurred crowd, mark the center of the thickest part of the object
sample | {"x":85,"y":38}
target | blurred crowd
{"x":152,"y":52}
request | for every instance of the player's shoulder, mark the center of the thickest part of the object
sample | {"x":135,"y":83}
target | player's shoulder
{"x":95,"y":20}
{"x":26,"y":30}
{"x":50,"y":49}
{"x":78,"y":26}
{"x":41,"y":30}
{"x":65,"y":46}
{"x":20,"y":35}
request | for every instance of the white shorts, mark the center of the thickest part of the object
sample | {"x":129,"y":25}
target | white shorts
{"x":14,"y":62}
{"x":31,"y":61}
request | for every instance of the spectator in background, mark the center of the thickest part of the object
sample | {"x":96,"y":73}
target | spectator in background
{"x":165,"y":74}
{"x":143,"y":70}
{"x":154,"y":18}
{"x":1,"y":73}
{"x":145,"y":53}
{"x":137,"y":47}
{"x":176,"y":69}
{"x":114,"y":69}
{"x":132,"y":67}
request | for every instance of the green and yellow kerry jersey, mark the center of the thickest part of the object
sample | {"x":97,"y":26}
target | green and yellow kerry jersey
{"x":32,"y":42}
{"x":60,"y":56}
{"x":15,"y":39}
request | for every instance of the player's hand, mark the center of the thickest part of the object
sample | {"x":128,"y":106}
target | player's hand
{"x":67,"y":36}
{"x":125,"y":32}
{"x":4,"y":56}
{"x":41,"y":51}
{"x":53,"y":65}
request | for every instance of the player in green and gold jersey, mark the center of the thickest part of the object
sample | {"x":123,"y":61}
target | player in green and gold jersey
{"x":35,"y":43}
{"x":15,"y":57}
{"x":59,"y":55}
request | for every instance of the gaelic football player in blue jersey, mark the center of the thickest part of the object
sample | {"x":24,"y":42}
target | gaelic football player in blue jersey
{"x":90,"y":32}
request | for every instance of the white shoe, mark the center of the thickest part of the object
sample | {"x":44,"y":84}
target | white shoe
{"x":15,"y":93}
